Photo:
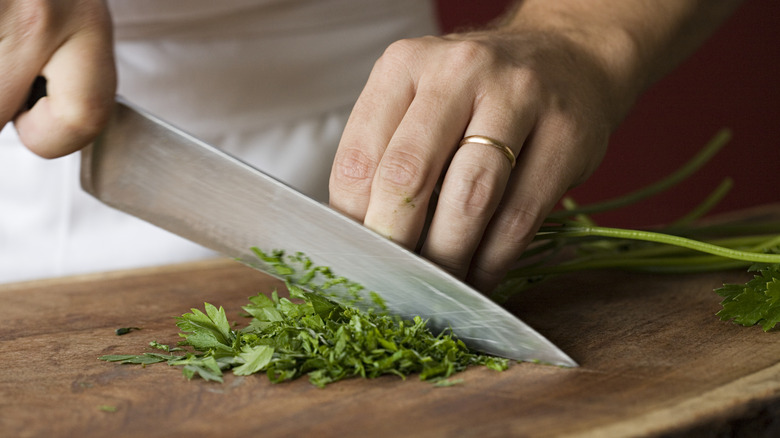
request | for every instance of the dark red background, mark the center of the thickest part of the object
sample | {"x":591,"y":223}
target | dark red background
{"x":732,"y":81}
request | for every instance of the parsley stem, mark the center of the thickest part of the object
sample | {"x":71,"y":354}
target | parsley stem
{"x":725,"y":229}
{"x":714,"y":145}
{"x":708,"y":204}
{"x":652,"y":264}
{"x":650,"y":236}
{"x":656,"y":258}
{"x":619,"y":249}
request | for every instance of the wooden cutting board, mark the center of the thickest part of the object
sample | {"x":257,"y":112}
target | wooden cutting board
{"x":655,"y":360}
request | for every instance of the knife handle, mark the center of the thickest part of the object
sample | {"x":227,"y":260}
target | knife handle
{"x":37,"y":91}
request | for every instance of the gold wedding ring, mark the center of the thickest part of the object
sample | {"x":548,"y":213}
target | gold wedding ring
{"x":481,"y":139}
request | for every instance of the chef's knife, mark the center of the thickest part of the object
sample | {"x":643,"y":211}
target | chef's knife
{"x":148,"y":168}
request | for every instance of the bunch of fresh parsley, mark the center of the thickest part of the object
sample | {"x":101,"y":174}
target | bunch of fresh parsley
{"x":571,"y":241}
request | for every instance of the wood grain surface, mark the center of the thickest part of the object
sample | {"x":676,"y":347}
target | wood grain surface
{"x":655,"y":361}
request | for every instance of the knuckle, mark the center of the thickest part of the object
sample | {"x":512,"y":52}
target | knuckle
{"x":92,"y":16}
{"x":40,"y":21}
{"x":527,"y":81}
{"x":577,"y":145}
{"x":472,"y":193}
{"x":398,"y":55}
{"x":465,"y":54}
{"x":29,"y":19}
{"x":353,"y":169}
{"x":519,"y":219}
{"x":401,"y":48}
{"x":530,"y":81}
{"x":403,"y":172}
{"x":486,"y":276}
{"x":452,"y":264}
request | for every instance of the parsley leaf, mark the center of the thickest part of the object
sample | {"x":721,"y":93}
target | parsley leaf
{"x":205,"y":366}
{"x":255,"y":359}
{"x":143,"y":359}
{"x":205,"y":331}
{"x":755,"y":302}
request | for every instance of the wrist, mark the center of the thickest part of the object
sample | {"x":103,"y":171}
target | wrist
{"x":634,"y":43}
{"x":608,"y":46}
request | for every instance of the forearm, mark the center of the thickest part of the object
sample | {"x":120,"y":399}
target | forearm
{"x":637,"y":42}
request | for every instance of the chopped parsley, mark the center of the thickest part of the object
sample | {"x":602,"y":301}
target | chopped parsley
{"x":311,"y":335}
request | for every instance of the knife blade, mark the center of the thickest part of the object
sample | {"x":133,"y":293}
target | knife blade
{"x":150,"y":169}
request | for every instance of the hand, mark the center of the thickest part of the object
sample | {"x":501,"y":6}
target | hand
{"x":546,"y":97}
{"x":69,"y":42}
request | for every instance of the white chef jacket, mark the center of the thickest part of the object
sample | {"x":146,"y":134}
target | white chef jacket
{"x":270,"y":81}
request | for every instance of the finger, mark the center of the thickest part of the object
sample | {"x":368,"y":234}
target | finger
{"x":414,"y":160}
{"x":22,"y":51}
{"x":542,"y":176}
{"x":377,"y":113}
{"x":81,"y":84}
{"x":14,"y":88}
{"x":473,"y":186}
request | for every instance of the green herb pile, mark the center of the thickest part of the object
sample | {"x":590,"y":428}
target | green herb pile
{"x":571,"y":241}
{"x":311,"y":336}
